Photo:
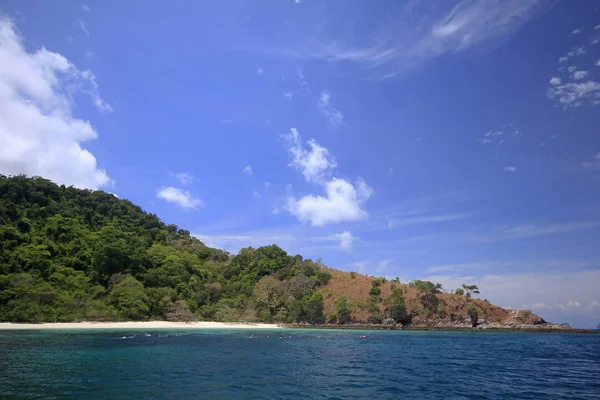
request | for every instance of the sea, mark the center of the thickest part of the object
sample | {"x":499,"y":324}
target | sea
{"x":297,"y":364}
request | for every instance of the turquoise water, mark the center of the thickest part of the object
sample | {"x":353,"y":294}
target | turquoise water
{"x":323,"y":364}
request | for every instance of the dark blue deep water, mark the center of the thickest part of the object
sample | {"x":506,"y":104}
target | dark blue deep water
{"x":323,"y":364}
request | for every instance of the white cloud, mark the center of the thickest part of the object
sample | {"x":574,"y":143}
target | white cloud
{"x":334,"y":116}
{"x":402,"y":42}
{"x":259,"y":70}
{"x":180,"y":197}
{"x":248,"y":170}
{"x":324,"y":99}
{"x":341,"y":203}
{"x":345,"y":239}
{"x":267,"y":185}
{"x":592,"y":164}
{"x":573,"y":94}
{"x":297,"y":1}
{"x":576,"y":32}
{"x":598,"y":63}
{"x":510,"y":168}
{"x":82,"y":25}
{"x":314,"y":162}
{"x":288,"y":94}
{"x":185,"y":178}
{"x":579,"y":75}
{"x":532,"y":230}
{"x":255,"y":194}
{"x":85,"y":8}
{"x":390,"y":171}
{"x":570,"y":69}
{"x":89,"y":54}
{"x":555,"y":80}
{"x":38,"y":133}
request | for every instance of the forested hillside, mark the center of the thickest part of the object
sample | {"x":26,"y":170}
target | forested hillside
{"x":68,"y":254}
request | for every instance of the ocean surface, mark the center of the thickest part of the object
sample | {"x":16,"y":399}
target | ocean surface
{"x":310,"y":364}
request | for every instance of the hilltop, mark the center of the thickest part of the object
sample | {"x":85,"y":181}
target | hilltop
{"x":68,"y":254}
{"x":367,"y":299}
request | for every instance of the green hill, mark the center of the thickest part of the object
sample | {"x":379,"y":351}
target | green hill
{"x":68,"y":254}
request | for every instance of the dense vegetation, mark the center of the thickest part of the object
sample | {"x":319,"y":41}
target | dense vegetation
{"x":68,"y":254}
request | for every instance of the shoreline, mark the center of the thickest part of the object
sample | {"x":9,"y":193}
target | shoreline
{"x":5,"y":326}
{"x":148,"y":325}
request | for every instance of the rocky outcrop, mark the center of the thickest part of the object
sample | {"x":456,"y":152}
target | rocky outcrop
{"x":523,"y":317}
{"x":482,"y":324}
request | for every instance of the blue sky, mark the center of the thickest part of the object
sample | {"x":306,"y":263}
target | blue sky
{"x":452,"y":141}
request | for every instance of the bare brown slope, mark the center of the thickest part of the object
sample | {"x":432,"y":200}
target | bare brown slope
{"x":421,"y":306}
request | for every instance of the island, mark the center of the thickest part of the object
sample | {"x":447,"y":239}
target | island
{"x":70,"y":255}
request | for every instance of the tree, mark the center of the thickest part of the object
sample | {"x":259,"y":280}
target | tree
{"x":266,"y":292}
{"x":179,"y":311}
{"x":342,"y":310}
{"x":427,"y":286}
{"x":130,"y":299}
{"x":395,"y":306}
{"x":470,"y":290}
{"x":313,"y":308}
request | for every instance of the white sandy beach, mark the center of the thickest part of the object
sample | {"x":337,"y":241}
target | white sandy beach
{"x":141,"y":325}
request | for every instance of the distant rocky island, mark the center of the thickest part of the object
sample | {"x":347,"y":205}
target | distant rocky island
{"x":79,"y":255}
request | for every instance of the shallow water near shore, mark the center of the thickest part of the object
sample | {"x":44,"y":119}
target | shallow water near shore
{"x":323,"y":364}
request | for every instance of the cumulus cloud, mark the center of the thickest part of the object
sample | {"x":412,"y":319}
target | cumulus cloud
{"x":334,"y":116}
{"x":85,"y":8}
{"x":259,"y":70}
{"x":182,"y":198}
{"x":576,"y":32}
{"x":510,"y":168}
{"x":341,"y":202}
{"x":38,"y":133}
{"x":248,"y":170}
{"x":579,"y":75}
{"x":255,"y":194}
{"x":314,"y":161}
{"x":555,"y":80}
{"x":185,"y":178}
